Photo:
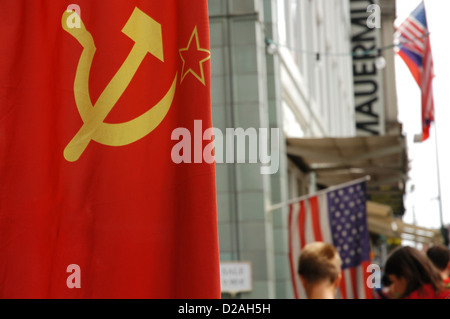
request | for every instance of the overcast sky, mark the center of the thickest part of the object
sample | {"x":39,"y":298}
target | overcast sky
{"x":423,"y":175}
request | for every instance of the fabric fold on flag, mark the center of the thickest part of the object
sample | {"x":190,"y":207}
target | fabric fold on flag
{"x":336,"y":216}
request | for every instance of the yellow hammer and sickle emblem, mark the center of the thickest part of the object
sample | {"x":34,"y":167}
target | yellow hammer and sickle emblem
{"x":147,"y":35}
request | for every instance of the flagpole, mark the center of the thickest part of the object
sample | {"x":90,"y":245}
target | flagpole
{"x":331,"y":188}
{"x":441,"y":216}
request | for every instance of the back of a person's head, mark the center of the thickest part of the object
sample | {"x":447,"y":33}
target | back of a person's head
{"x":414,"y":266}
{"x":318,"y":262}
{"x":440,"y":256}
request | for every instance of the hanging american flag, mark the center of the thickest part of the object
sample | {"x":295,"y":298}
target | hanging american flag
{"x":414,"y":48}
{"x":336,"y":216}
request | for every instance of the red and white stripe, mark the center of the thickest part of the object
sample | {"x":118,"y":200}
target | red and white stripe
{"x":427,"y":90}
{"x":309,"y":222}
{"x":411,"y":40}
{"x":414,"y":35}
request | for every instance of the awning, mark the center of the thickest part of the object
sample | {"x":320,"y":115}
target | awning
{"x":338,"y":160}
{"x":381,"y":221}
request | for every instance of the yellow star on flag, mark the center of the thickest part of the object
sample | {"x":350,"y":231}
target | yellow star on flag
{"x":193,"y":58}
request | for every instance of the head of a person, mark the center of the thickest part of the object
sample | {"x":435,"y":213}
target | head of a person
{"x":439,"y":256}
{"x":320,"y":263}
{"x":408,"y":270}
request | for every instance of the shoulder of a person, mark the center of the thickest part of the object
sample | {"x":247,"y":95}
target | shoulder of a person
{"x":445,"y":294}
{"x":426,"y":292}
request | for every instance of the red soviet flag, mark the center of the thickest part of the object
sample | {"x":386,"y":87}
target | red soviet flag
{"x":92,"y":204}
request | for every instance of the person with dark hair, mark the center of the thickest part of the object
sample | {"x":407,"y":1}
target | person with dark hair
{"x":320,"y":270}
{"x":411,"y":275}
{"x":440,"y":257}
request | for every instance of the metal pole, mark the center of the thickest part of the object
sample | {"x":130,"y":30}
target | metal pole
{"x":441,"y":216}
{"x":331,"y":188}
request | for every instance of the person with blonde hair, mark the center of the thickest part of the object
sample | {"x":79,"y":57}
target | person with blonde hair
{"x":319,"y":269}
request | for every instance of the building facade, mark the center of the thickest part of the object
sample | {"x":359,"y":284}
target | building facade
{"x":284,"y":64}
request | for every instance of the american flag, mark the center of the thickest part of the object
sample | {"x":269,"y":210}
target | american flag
{"x":336,"y":216}
{"x":413,"y":43}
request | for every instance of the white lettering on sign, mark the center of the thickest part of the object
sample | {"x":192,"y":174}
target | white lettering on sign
{"x":367,"y":78}
{"x":235,"y":277}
